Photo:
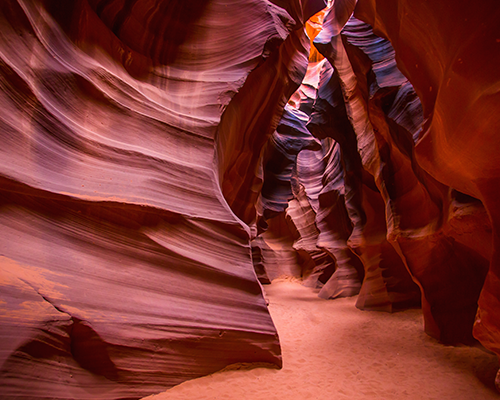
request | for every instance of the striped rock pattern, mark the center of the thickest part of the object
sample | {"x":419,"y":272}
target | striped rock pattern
{"x":125,"y":265}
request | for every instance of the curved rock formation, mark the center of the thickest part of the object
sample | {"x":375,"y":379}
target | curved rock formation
{"x":386,"y":282}
{"x":157,"y":154}
{"x":274,"y":255}
{"x":298,"y":171}
{"x":247,"y":124}
{"x":449,"y":53}
{"x":124,"y":270}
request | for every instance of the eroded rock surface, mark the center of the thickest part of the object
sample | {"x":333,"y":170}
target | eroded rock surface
{"x":159,"y":158}
{"x":449,"y":53}
{"x":376,"y":201}
{"x":124,"y":269}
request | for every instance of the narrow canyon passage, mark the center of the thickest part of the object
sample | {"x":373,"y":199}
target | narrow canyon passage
{"x":332,"y":350}
{"x":162,"y":160}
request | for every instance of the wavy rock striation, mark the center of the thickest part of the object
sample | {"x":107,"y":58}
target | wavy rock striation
{"x":124,"y":270}
{"x":449,"y":53}
{"x":398,"y":211}
{"x":274,"y":255}
{"x":161,"y":157}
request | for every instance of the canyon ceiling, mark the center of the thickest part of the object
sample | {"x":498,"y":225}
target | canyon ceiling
{"x":161,"y":159}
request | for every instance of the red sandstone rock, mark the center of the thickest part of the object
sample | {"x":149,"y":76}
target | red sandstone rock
{"x":385,"y":113}
{"x":449,"y":52}
{"x":133,"y":179}
{"x":273,"y":253}
{"x":124,"y":270}
{"x":386,"y":284}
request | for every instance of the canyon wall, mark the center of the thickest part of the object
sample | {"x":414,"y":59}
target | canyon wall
{"x":411,"y":104}
{"x":450,"y":52}
{"x":160,"y":158}
{"x":124,"y":270}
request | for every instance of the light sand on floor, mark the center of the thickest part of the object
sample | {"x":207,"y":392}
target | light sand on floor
{"x":332,"y":350}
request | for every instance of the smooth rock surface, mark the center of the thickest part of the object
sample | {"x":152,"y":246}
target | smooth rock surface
{"x":124,"y":269}
{"x":159,"y":158}
{"x":449,"y":53}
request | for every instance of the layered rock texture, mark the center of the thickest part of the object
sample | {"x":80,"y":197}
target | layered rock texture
{"x":161,"y":157}
{"x":124,"y":270}
{"x":449,"y":53}
{"x":401,"y":196}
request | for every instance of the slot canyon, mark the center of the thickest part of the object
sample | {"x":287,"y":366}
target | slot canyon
{"x":165,"y":161}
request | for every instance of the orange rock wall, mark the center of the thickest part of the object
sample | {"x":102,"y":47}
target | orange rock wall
{"x":450,"y":53}
{"x":158,"y":160}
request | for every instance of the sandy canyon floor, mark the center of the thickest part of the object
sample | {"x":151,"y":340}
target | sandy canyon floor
{"x":332,"y":350}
